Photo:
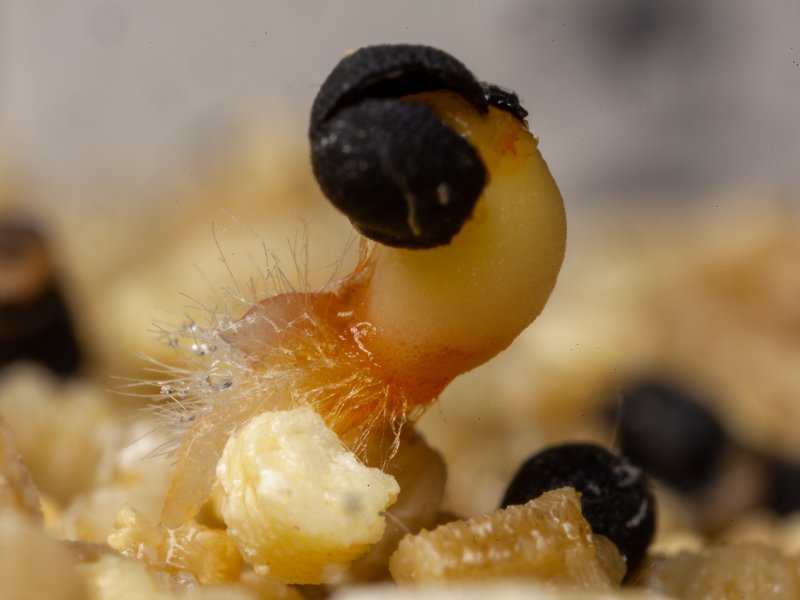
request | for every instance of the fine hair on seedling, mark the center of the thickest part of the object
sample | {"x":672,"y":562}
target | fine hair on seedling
{"x":270,"y":342}
{"x":211,"y":369}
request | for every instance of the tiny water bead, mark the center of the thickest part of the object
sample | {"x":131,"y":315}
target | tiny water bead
{"x":220,"y":379}
{"x":615,"y":498}
{"x":201,"y":348}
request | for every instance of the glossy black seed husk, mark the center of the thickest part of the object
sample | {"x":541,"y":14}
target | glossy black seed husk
{"x":670,"y":434}
{"x":615,"y":498}
{"x":401,"y":176}
{"x":42,"y":333}
{"x":393,"y":71}
{"x":35,"y":321}
{"x":783,"y":486}
{"x":504,"y":100}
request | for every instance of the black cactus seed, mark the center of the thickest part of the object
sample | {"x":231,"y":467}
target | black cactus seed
{"x":615,"y":498}
{"x":367,"y":162}
{"x":393,"y":71}
{"x":669,"y":434}
{"x":401,"y":176}
{"x":35,"y":322}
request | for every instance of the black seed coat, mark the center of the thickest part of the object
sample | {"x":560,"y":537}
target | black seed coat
{"x":504,"y":100}
{"x":615,"y":498}
{"x":783,"y":492}
{"x":35,"y":326}
{"x":40,"y":330}
{"x":669,"y":434}
{"x":402,"y":177}
{"x":393,"y":71}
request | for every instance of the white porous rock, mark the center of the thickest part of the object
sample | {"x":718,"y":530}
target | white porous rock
{"x":299,"y":504}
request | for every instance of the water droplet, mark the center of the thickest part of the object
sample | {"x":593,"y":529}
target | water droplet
{"x":202,"y":348}
{"x":220,"y":380}
{"x":167,"y":390}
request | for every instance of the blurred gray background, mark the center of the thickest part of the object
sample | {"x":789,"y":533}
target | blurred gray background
{"x":626,"y":95}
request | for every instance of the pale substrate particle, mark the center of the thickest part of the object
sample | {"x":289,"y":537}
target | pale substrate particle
{"x":17,"y":491}
{"x":504,"y":589}
{"x":730,"y":571}
{"x":114,"y":577}
{"x":60,"y":430}
{"x":207,"y":554}
{"x":298,"y":504}
{"x":545,"y":540}
{"x":33,"y":564}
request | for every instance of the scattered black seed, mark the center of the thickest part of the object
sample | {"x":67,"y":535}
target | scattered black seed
{"x":402,"y":177}
{"x":783,"y":492}
{"x":669,"y":434}
{"x":35,"y":324}
{"x":615,"y":498}
{"x":505,"y":100}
